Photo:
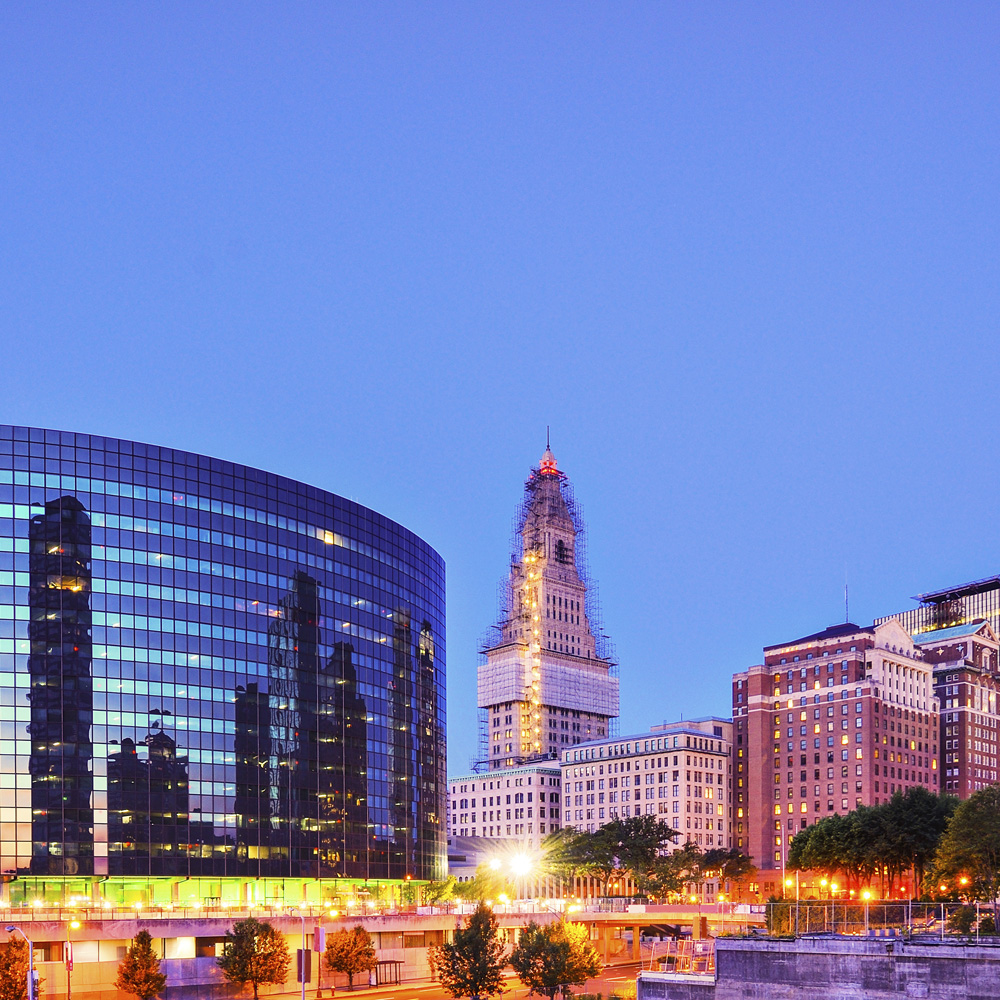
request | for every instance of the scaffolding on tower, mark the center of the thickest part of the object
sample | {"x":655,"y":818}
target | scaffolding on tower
{"x":522,"y":617}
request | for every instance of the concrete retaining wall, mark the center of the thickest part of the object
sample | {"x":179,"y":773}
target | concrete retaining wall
{"x":837,"y":969}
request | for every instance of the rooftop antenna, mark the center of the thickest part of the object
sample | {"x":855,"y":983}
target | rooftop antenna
{"x":847,"y":605}
{"x":547,"y":447}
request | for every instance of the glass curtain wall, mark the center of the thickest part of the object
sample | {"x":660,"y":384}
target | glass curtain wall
{"x":209,"y":671}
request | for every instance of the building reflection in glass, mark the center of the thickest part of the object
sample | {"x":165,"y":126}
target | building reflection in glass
{"x":343,"y":769}
{"x":61,"y":695}
{"x":292,"y":661}
{"x":253,"y":787}
{"x":213,"y":671}
{"x":149,"y":809}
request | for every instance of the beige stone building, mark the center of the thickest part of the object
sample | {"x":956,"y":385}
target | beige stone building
{"x":519,"y":805}
{"x":681,"y":772}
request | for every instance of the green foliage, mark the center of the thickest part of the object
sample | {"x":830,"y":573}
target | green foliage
{"x":487,"y":884}
{"x":962,"y":920}
{"x":728,"y":866}
{"x":553,"y":957}
{"x":139,"y":971}
{"x":637,"y":847}
{"x":970,"y":847}
{"x":440,"y":892}
{"x":668,"y":873}
{"x":350,"y":952}
{"x":14,"y":970}
{"x":632,"y":846}
{"x":641,"y":842}
{"x":254,"y":952}
{"x":560,"y":856}
{"x":472,"y":965}
{"x":987,"y":925}
{"x":917,"y":820}
{"x":885,"y":840}
{"x":665,"y":875}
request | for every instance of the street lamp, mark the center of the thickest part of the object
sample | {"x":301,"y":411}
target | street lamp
{"x":866,"y":895}
{"x":73,"y":925}
{"x":302,"y":953}
{"x":32,"y":981}
{"x":520,"y":865}
{"x":788,"y":885}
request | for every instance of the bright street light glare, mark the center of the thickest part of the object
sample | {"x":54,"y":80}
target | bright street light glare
{"x":520,"y":864}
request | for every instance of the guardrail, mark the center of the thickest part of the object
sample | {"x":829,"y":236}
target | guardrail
{"x":880,"y":918}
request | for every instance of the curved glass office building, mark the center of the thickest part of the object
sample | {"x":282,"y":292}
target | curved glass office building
{"x":210,"y":674}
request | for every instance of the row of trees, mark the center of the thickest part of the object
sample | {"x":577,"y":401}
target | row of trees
{"x":254,"y":953}
{"x":547,"y":960}
{"x":951,"y":847}
{"x":883,"y":841}
{"x":636,"y":848}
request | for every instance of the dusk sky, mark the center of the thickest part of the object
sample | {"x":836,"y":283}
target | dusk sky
{"x":742,"y":257}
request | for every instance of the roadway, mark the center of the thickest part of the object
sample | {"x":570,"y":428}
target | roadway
{"x":613,"y":977}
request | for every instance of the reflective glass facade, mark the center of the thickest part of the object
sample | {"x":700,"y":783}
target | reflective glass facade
{"x":211,"y":671}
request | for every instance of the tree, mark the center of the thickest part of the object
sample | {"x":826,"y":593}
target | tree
{"x":254,"y":952}
{"x":630,"y":846}
{"x":596,"y":853}
{"x":472,"y":965}
{"x":919,"y":819}
{"x":14,"y":971}
{"x":642,"y":841}
{"x":730,"y":865}
{"x":884,"y":840}
{"x":440,"y":892}
{"x":139,"y":971}
{"x":970,"y":846}
{"x":556,"y":957}
{"x":487,"y":884}
{"x":669,"y":873}
{"x":350,"y":951}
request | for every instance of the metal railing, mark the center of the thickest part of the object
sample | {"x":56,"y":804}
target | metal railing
{"x":906,"y":918}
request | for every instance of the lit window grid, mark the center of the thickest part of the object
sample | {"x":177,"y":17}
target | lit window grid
{"x":188,"y":657}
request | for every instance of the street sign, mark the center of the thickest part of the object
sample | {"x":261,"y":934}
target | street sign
{"x":303,"y":965}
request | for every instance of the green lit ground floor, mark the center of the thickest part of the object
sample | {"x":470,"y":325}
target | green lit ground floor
{"x":175,"y":892}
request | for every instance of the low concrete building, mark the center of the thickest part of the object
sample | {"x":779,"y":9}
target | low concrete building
{"x":188,"y":944}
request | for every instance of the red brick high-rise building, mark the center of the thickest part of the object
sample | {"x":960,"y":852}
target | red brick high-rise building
{"x":829,"y":722}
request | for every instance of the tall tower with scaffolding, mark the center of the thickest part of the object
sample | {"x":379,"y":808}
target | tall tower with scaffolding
{"x":549,"y":678}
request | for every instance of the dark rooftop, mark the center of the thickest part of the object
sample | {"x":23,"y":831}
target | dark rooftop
{"x":832,"y":632}
{"x":962,"y":590}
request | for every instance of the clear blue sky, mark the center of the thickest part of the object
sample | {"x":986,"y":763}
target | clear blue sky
{"x":742,"y":257}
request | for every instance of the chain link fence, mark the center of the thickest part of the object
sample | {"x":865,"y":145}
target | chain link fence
{"x":878,"y":919}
